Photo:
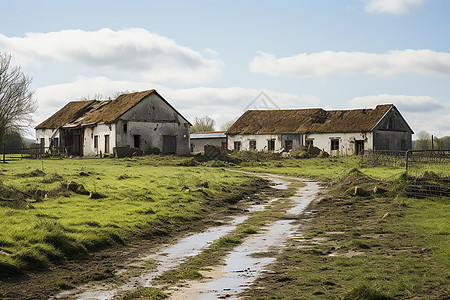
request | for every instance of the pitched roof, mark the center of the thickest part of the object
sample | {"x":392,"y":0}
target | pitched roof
{"x":110,"y":110}
{"x":313,"y":120}
{"x":68,"y":113}
{"x":78,"y":113}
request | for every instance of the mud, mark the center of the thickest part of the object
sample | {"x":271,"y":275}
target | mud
{"x":249,"y":260}
{"x":171,"y":256}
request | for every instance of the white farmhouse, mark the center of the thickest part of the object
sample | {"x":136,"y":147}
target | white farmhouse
{"x":338,"y":132}
{"x":142,"y":120}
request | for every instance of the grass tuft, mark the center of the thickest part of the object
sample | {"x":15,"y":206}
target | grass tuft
{"x":364,"y":292}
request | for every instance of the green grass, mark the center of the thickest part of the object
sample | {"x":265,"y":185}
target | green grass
{"x":320,"y":168}
{"x":138,"y":193}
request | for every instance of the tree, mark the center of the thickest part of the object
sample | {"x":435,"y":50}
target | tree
{"x":423,"y":141}
{"x":225,"y":126}
{"x":203,"y":124}
{"x":16,"y":98}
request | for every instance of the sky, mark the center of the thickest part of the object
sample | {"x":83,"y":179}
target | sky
{"x":215,"y":58}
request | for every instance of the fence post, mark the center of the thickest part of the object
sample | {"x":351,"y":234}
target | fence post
{"x":406,"y":162}
{"x":4,"y":154}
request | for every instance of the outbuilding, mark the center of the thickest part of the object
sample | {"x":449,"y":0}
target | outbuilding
{"x":338,"y":132}
{"x":140,"y":120}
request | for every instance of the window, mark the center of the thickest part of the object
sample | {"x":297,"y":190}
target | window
{"x":237,"y":146}
{"x":252,"y":145}
{"x":95,"y":141}
{"x":125,"y":127}
{"x":309,"y":142}
{"x":42,"y":142}
{"x":137,"y":141}
{"x":271,"y":145}
{"x":334,"y":144}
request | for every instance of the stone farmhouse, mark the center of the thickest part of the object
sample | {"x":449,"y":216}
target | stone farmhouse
{"x":338,"y":132}
{"x":142,"y":120}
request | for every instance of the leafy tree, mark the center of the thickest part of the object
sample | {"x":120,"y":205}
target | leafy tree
{"x":13,"y":141}
{"x":203,"y":124}
{"x":16,"y":98}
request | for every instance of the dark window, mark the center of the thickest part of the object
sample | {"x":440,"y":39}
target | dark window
{"x":288,"y":145}
{"x":237,"y":146}
{"x":42,"y":142}
{"x":252,"y":145}
{"x":125,"y":127}
{"x":310,"y":142}
{"x":137,"y":141}
{"x":95,"y":141}
{"x":271,"y":145}
{"x":334,"y":144}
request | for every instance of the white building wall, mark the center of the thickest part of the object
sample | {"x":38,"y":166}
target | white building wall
{"x":346,"y":141}
{"x":100,"y":131}
{"x":46,"y":134}
{"x":198,"y":145}
{"x":261,"y":141}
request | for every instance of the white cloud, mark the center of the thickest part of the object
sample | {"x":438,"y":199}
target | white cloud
{"x":422,"y":62}
{"x":394,"y":7}
{"x":135,"y":51}
{"x":222,"y":104}
{"x":403,"y":102}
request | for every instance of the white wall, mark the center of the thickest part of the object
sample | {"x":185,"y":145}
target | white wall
{"x":346,"y":141}
{"x":198,"y":145}
{"x":46,"y":134}
{"x":100,"y":131}
{"x":261,"y":141}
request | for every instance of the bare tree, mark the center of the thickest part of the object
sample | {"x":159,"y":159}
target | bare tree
{"x":16,"y":98}
{"x":203,"y":124}
{"x":225,"y":126}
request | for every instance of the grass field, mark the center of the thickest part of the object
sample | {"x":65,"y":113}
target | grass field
{"x":368,"y":245}
{"x":129,"y":194}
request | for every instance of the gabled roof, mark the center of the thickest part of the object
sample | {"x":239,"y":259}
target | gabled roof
{"x":71,"y":111}
{"x":79,"y":113}
{"x":315,"y":120}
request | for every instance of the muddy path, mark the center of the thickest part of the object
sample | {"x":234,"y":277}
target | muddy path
{"x":241,"y":267}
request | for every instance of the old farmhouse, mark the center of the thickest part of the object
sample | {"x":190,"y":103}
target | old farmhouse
{"x":338,"y":132}
{"x":142,"y":120}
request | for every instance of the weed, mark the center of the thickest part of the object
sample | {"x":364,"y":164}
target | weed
{"x":364,"y":292}
{"x":145,"y":293}
{"x":64,"y":285}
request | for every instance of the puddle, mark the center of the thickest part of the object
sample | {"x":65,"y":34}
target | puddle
{"x":173,"y":255}
{"x":243,"y":265}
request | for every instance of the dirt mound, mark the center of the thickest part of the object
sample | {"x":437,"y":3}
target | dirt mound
{"x":356,"y":183}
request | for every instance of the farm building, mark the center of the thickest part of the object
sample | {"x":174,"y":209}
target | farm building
{"x":338,"y":132}
{"x":142,"y":120}
{"x":201,"y":139}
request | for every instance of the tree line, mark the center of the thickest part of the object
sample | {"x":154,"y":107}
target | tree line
{"x":425,"y":141}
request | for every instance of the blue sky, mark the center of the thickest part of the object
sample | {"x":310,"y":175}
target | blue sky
{"x":214,"y":57}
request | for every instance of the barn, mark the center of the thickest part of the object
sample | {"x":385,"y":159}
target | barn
{"x":142,"y":120}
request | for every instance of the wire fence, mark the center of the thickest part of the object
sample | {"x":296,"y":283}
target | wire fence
{"x":427,"y":172}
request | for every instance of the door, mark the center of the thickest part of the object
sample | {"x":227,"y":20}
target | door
{"x":359,"y":147}
{"x":106,"y":144}
{"x":169,"y":144}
